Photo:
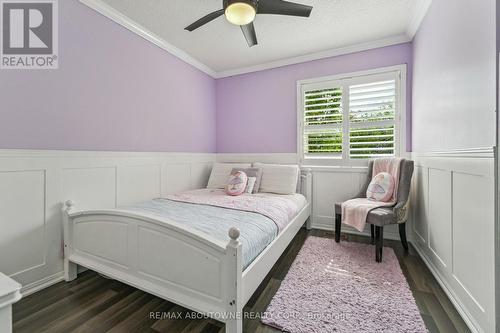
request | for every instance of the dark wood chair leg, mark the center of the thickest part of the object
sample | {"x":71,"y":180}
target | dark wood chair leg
{"x":379,"y":243}
{"x":338,"y":226}
{"x":402,"y":235}
{"x":372,"y":232}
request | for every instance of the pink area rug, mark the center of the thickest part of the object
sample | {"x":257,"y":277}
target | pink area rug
{"x":340,"y":288}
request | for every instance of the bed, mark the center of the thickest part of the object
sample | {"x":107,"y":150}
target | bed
{"x":199,"y":249}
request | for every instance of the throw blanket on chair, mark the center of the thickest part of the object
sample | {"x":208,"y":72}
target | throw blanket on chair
{"x":355,"y":211}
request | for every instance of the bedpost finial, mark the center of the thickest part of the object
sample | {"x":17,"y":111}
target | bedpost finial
{"x":69,"y":204}
{"x":234,"y":233}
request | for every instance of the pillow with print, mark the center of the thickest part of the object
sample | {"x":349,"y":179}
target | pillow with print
{"x":237,"y":183}
{"x":381,"y":187}
{"x":251,"y":172}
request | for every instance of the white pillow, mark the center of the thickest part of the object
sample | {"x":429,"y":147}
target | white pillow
{"x":277,"y":178}
{"x":221,"y":172}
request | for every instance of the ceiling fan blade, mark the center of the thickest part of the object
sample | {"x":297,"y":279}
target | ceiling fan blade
{"x":204,"y":20}
{"x":280,"y":7}
{"x":249,"y":33}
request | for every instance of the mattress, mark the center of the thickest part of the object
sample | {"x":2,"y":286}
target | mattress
{"x":259,"y":217}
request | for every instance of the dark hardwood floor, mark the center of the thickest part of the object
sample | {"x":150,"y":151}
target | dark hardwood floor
{"x":95,"y":304}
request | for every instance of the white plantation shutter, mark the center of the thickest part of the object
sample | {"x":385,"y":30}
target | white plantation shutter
{"x":323,"y":117}
{"x":372,"y":113}
{"x":350,"y":118}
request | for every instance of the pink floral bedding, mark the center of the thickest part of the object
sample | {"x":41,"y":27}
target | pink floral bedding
{"x":279,"y":208}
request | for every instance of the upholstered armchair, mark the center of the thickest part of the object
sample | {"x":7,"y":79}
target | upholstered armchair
{"x":380,"y":217}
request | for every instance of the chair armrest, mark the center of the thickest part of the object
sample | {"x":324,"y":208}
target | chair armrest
{"x":401,"y":208}
{"x":401,"y":211}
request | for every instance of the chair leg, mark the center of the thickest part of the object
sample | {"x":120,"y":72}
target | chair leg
{"x":379,"y":243}
{"x":402,"y":235}
{"x":338,"y":226}
{"x":372,"y":232}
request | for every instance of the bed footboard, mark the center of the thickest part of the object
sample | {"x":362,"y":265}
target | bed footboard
{"x":181,"y":266}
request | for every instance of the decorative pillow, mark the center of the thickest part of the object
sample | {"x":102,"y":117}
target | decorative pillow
{"x":250,"y":185}
{"x":252,"y":172}
{"x":220,"y":173}
{"x":280,"y":179}
{"x":381,"y":187}
{"x":237,"y":183}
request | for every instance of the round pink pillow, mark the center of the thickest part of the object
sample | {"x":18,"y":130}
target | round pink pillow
{"x":237,"y":183}
{"x":381,"y":187}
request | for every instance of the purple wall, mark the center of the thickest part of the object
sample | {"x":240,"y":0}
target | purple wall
{"x":257,"y":112}
{"x":116,"y":91}
{"x":454,"y":77}
{"x":113,"y":91}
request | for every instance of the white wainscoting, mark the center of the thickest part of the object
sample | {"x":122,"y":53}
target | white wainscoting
{"x":34,"y":185}
{"x":453,"y":228}
{"x":452,"y":209}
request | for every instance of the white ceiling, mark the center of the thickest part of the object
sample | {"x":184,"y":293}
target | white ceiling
{"x":220,"y":46}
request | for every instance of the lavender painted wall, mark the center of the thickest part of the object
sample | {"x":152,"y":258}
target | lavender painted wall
{"x":113,"y":91}
{"x":454,"y":77}
{"x":257,"y":112}
{"x":117,"y":91}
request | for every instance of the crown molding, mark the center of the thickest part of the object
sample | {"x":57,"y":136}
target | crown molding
{"x":418,"y":17}
{"x":116,"y":16}
{"x":111,"y":13}
{"x":400,"y":39}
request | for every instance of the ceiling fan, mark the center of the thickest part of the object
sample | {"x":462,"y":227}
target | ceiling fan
{"x":242,"y":13}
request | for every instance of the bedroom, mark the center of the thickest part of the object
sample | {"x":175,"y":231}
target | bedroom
{"x":120,"y":128}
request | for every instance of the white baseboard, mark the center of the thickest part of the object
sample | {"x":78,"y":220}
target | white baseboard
{"x":42,"y":284}
{"x":466,"y":316}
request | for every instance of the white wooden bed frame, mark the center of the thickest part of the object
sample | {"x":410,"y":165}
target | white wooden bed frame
{"x":185,"y":267}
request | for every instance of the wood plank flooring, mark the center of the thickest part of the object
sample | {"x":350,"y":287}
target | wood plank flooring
{"x":95,"y":304}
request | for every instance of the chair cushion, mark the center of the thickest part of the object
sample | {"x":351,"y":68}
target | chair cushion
{"x":378,"y":216}
{"x":381,"y":216}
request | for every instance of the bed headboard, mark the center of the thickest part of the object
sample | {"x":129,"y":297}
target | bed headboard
{"x":305,"y":184}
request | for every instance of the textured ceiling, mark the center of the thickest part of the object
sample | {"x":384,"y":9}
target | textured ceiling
{"x":221,"y":46}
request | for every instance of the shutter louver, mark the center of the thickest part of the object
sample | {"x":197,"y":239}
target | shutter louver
{"x":323,"y":122}
{"x":372,"y":110}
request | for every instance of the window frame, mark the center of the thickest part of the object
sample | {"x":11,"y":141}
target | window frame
{"x":398,"y":73}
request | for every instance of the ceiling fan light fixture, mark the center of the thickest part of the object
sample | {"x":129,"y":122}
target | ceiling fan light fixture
{"x":240,"y":13}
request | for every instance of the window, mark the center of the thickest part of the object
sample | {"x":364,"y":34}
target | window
{"x":350,"y":118}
